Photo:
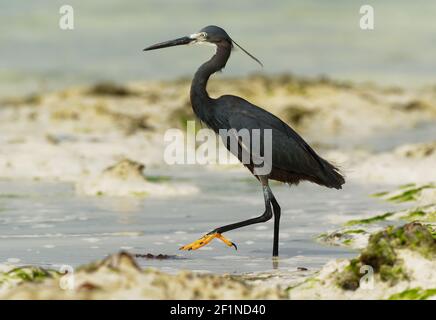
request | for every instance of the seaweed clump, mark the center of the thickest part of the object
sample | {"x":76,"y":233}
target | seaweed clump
{"x":423,"y":214}
{"x":151,"y":256}
{"x":408,"y":192}
{"x":110,"y":89}
{"x":414,"y":294}
{"x":25,"y":274}
{"x":381,"y":254}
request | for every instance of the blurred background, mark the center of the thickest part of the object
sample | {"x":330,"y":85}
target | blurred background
{"x":303,"y":37}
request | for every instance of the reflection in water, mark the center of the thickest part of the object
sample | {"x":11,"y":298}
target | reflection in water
{"x":275,"y":262}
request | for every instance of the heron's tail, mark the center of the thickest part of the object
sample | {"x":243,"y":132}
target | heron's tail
{"x":331,"y":176}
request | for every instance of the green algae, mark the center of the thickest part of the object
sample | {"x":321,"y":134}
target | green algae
{"x":369,"y":220}
{"x":340,"y":237}
{"x":432,"y":230}
{"x":423,"y":214}
{"x":379,"y":194}
{"x":26,"y":274}
{"x":157,"y":178}
{"x":414,"y":294}
{"x":311,"y":282}
{"x":381,"y":254}
{"x":407,"y":185}
{"x":11,"y":196}
{"x":416,"y":214}
{"x":354,"y":231}
{"x":406,"y":193}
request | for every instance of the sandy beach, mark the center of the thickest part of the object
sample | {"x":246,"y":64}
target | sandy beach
{"x":83,"y":184}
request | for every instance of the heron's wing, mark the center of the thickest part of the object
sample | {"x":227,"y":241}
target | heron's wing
{"x":289,"y":152}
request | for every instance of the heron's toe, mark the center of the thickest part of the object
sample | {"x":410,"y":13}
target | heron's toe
{"x":198,"y":243}
{"x":225,"y":240}
{"x":205,"y":240}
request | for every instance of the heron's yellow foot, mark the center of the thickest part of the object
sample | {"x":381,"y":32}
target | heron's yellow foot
{"x":206,"y":239}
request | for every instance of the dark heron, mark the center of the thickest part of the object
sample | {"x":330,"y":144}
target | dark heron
{"x":292,"y":159}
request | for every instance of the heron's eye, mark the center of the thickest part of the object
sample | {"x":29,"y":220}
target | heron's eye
{"x":203,"y":35}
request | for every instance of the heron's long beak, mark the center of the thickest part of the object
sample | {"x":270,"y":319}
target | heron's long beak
{"x":171,"y":43}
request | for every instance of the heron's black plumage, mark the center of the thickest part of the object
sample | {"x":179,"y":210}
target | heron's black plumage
{"x":293,"y":160}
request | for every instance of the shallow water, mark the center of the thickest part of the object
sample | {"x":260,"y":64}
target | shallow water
{"x":47,"y":224}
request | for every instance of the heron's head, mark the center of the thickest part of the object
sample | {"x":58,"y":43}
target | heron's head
{"x":211,"y":34}
{"x":214,"y":35}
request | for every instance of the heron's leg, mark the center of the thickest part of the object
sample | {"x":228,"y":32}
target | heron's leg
{"x":267,"y":215}
{"x":216,"y":233}
{"x":277,"y":213}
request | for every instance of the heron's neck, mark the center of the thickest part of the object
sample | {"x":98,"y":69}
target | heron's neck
{"x":199,"y":97}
